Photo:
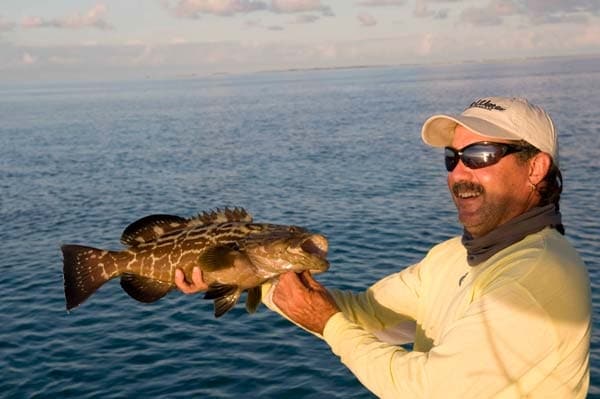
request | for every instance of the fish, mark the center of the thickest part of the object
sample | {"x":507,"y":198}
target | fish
{"x":234,"y":254}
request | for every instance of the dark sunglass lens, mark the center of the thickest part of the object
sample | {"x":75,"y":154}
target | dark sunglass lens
{"x":451,"y":158}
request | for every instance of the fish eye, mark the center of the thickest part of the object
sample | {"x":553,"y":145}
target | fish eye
{"x":296,"y":230}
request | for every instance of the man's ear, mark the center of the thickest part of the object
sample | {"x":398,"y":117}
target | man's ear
{"x":539,"y":165}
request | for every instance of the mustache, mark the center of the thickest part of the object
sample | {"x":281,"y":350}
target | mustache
{"x":466,"y":186}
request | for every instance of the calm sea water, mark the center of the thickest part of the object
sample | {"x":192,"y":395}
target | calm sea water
{"x":336,"y":151}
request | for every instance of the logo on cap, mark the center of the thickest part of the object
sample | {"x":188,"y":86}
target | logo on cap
{"x":486,"y":104}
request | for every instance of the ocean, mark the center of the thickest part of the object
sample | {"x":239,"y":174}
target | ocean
{"x":337,"y":151}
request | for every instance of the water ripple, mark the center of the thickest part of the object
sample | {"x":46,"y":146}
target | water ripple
{"x":338,"y":152}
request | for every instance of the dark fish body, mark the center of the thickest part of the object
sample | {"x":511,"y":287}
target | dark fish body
{"x":234,"y":254}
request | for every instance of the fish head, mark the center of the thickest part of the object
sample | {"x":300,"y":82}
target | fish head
{"x":277,"y":249}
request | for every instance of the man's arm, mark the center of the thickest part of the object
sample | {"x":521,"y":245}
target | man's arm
{"x":387,"y":309}
{"x":482,"y":354}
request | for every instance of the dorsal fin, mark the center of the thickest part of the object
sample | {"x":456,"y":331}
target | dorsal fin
{"x":150,"y":228}
{"x":219,"y":216}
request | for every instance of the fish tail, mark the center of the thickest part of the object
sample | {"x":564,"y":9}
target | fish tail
{"x":85,"y":269}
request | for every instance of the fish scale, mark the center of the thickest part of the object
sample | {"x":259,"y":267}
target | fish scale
{"x":234,"y":254}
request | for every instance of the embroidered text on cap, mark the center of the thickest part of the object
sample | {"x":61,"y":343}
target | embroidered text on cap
{"x":486,"y":104}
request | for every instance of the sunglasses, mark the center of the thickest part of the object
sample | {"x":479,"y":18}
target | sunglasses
{"x":479,"y":155}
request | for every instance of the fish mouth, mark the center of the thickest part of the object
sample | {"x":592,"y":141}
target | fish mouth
{"x":315,"y":245}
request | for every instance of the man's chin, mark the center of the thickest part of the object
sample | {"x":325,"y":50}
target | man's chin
{"x":472,"y":225}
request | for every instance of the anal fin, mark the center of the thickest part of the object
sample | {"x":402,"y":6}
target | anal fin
{"x":144,"y":289}
{"x":253,"y":299}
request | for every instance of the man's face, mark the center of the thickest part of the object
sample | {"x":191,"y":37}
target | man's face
{"x":488,"y":197}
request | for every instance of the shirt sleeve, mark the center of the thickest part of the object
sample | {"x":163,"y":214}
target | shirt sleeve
{"x":388,"y":308}
{"x":503,"y":337}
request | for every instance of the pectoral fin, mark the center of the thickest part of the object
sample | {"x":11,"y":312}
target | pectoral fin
{"x":218,"y":258}
{"x":225,"y":297}
{"x":144,"y":289}
{"x":253,"y":299}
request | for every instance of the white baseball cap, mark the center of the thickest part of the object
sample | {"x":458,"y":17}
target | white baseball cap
{"x":497,"y":118}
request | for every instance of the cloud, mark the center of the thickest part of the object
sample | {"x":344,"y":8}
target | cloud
{"x":227,"y":8}
{"x":560,"y":11}
{"x":381,"y":3}
{"x":305,"y":19}
{"x":366,"y":19}
{"x":5,"y":25}
{"x":590,"y":37}
{"x":258,"y":24}
{"x":63,"y":61}
{"x":32,"y":22}
{"x":536,"y":12}
{"x":297,"y":6}
{"x":253,"y":23}
{"x":425,"y":45}
{"x":94,"y":18}
{"x":224,"y":8}
{"x":546,"y":7}
{"x":28,"y":59}
{"x":480,"y":16}
{"x":137,"y":60}
{"x":490,"y":14}
{"x":422,"y":9}
{"x":178,"y":40}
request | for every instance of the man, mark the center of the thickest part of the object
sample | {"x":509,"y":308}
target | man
{"x":503,"y":311}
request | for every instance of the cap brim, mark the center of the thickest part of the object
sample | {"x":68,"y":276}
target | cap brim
{"x":438,"y":131}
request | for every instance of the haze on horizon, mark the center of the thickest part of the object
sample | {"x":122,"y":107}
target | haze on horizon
{"x":109,"y":39}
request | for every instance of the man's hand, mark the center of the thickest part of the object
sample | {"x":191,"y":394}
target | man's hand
{"x":304,"y":300}
{"x":195,"y":286}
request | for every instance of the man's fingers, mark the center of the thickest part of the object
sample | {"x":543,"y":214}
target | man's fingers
{"x":186,"y":287}
{"x":310,"y":281}
{"x":302,"y":299}
{"x":197,"y":276}
{"x":179,"y":277}
{"x":180,"y":282}
{"x":291,"y":279}
{"x":302,"y":280}
{"x":289,"y":286}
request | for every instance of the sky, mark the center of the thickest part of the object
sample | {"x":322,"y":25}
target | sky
{"x":113,"y":39}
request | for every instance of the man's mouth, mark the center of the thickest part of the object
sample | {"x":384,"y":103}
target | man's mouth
{"x":467,"y":190}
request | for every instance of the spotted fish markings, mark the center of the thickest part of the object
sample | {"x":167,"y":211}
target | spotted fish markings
{"x":234,"y":254}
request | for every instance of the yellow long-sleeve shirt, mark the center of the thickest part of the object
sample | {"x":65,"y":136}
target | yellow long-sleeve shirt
{"x":517,"y":325}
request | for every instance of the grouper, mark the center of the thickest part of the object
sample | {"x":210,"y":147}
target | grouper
{"x":234,"y":253}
